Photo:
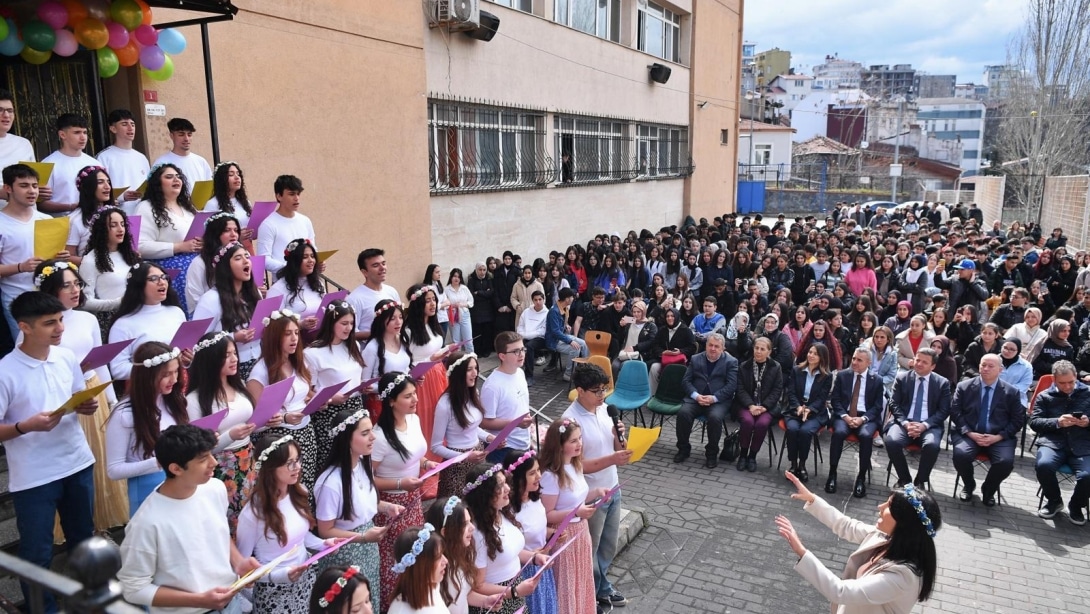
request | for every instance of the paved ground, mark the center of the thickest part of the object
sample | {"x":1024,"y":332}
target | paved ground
{"x":711,"y":545}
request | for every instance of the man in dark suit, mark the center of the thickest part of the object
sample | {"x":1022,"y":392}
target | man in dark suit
{"x":985,"y":416}
{"x":856,"y":409}
{"x":1061,"y":416}
{"x":709,"y":383}
{"x":920,"y":404}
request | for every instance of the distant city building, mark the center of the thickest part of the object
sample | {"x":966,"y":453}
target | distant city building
{"x":934,"y":86}
{"x":840,"y":115}
{"x":772,"y":63}
{"x":837,"y":74}
{"x":1000,"y":79}
{"x":749,"y":67}
{"x":790,"y":90}
{"x":971,"y":91}
{"x":955,"y":119}
{"x":883,"y":81}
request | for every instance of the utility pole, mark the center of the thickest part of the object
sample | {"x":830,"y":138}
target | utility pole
{"x":897,"y":150}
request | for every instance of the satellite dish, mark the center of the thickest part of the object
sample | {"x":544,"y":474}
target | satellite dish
{"x":463,"y":10}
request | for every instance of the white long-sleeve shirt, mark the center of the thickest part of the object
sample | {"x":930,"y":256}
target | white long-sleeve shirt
{"x":253,"y":540}
{"x":241,"y":409}
{"x":149,"y":323}
{"x":445,"y":428}
{"x":209,"y":307}
{"x":124,"y":456}
{"x":155,"y":242}
{"x":532,"y":323}
{"x":276,"y":232}
{"x":107,"y":288}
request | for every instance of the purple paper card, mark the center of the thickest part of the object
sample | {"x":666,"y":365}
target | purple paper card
{"x":419,"y":370}
{"x":561,"y":527}
{"x":327,"y":299}
{"x":103,"y":354}
{"x":362,"y":387}
{"x":502,"y":435}
{"x":447,"y":463}
{"x":189,"y":333}
{"x":134,"y":229}
{"x":322,"y":397}
{"x":196,"y":229}
{"x":549,"y":561}
{"x":262,"y":210}
{"x":212,"y":422}
{"x":609,"y":495}
{"x":257,"y":269}
{"x":271,"y":401}
{"x":328,"y":551}
{"x":173,"y":273}
{"x":264,"y":309}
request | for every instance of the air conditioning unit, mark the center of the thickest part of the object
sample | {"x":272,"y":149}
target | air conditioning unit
{"x":455,"y":15}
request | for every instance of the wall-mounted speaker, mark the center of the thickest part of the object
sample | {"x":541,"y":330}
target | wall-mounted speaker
{"x":490,"y":24}
{"x":659,"y":72}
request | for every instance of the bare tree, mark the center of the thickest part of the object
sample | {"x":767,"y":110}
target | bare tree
{"x":1044,"y":110}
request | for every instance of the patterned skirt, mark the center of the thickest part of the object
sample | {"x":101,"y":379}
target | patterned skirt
{"x":574,"y":572}
{"x":111,"y":496}
{"x":509,"y":606}
{"x":287,"y":598}
{"x":453,"y":479}
{"x":428,"y":390}
{"x":364,"y":555}
{"x":245,"y":367}
{"x":543,"y":599}
{"x":322,"y":421}
{"x":235,"y":470}
{"x":179,"y":263}
{"x":413,"y":516}
{"x":308,"y":453}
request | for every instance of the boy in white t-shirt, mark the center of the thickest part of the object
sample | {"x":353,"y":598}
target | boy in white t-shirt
{"x":194,"y":167}
{"x":128,"y":168}
{"x":285,"y":224}
{"x":372,"y":263}
{"x":67,"y":162}
{"x":13,"y":148}
{"x":505,"y":396}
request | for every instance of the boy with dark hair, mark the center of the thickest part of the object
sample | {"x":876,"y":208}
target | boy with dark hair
{"x":17,"y":260}
{"x":49,"y":461}
{"x":128,"y":168}
{"x":178,"y":555}
{"x":285,"y":224}
{"x":13,"y":148}
{"x":194,"y":167}
{"x":372,"y":264}
{"x":531,"y":326}
{"x":67,"y":162}
{"x":557,"y":335}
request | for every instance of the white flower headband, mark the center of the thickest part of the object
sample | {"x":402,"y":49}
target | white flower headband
{"x":421,"y":291}
{"x":133,"y":269}
{"x":417,"y":549}
{"x":484,"y":477}
{"x":361,"y":414}
{"x":48,"y":271}
{"x":390,"y":387}
{"x":279,"y":313}
{"x":163,"y":358}
{"x":223,"y":252}
{"x":454,"y":365}
{"x":388,"y":305}
{"x":219,"y":216}
{"x":104,"y":211}
{"x":207,"y":343}
{"x":228,"y":163}
{"x":269,"y":450}
{"x":448,"y":509}
{"x":335,"y":305}
{"x":294,"y":245}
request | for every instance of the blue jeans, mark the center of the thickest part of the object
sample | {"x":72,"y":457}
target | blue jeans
{"x":1048,"y":461}
{"x":565,"y":349}
{"x":604,"y":527}
{"x":497,"y":455}
{"x":462,"y":330}
{"x":35,"y":509}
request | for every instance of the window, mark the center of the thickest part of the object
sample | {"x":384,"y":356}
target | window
{"x":663,"y":150}
{"x":522,"y":5}
{"x":592,"y":149}
{"x":724,"y":137}
{"x":799,"y":83}
{"x":659,"y":32}
{"x":476,"y":147}
{"x":601,"y":18}
{"x":762,"y":154}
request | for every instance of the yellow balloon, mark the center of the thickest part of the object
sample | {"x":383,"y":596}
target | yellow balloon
{"x":92,"y":33}
{"x":34,"y":56}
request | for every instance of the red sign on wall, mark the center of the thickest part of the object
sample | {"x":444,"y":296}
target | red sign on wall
{"x":151,"y":96}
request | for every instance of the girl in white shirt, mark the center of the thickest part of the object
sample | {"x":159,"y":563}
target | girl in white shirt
{"x":457,"y":426}
{"x":335,"y":357}
{"x":232,"y":301}
{"x":229,"y":195}
{"x":387,"y":349}
{"x":215,"y":385}
{"x":106,"y":261}
{"x":277,"y":520}
{"x":524,"y":472}
{"x":346,"y":498}
{"x":456,"y":528}
{"x":459,"y":297}
{"x":95,"y":192}
{"x":166,"y":215}
{"x":421,"y":574}
{"x":300,"y":283}
{"x":149,"y":311}
{"x":424,"y":333}
{"x":155,"y":402}
{"x":219,"y":230}
{"x":433,"y":277}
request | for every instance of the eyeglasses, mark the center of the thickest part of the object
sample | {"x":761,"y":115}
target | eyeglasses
{"x":7,"y":111}
{"x":158,"y":278}
{"x":515,"y":351}
{"x":600,"y":392}
{"x":292,"y":465}
{"x":68,"y":285}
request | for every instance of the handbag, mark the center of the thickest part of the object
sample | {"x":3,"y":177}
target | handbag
{"x":453,"y":314}
{"x":674,"y":359}
{"x":731,"y":447}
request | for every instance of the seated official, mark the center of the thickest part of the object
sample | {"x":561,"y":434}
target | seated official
{"x":807,"y":406}
{"x":1061,"y":416}
{"x":919,"y":406}
{"x":760,"y":388}
{"x":985,"y":417}
{"x":856,"y":404}
{"x":710,"y":382}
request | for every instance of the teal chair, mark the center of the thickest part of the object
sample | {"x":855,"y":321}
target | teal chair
{"x":668,"y":398}
{"x":632,"y":390}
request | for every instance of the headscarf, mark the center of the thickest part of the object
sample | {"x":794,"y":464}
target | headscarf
{"x":1054,"y":332}
{"x":741,"y":318}
{"x":1018,"y":344}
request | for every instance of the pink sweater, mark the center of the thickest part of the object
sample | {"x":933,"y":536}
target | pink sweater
{"x":858,"y":279}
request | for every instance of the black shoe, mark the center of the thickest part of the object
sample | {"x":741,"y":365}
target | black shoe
{"x":1075,"y":515}
{"x":711,"y":462}
{"x":1050,"y":510}
{"x":741,"y":464}
{"x":860,"y":489}
{"x":615,"y":600}
{"x":751,"y":465}
{"x":681,"y":456}
{"x":552,"y":368}
{"x":830,"y":485}
{"x":803,"y":476}
{"x":966,"y":495}
{"x":921,"y":484}
{"x":987,"y":498}
{"x":529,"y":382}
{"x":901,"y":483}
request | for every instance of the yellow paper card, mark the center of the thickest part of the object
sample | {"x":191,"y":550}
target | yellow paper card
{"x":142,"y":188}
{"x":640,"y":441}
{"x":261,"y":572}
{"x":80,"y":398}
{"x":323,"y":256}
{"x":50,"y":237}
{"x":44,"y":170}
{"x":202,"y":192}
{"x":117,"y":192}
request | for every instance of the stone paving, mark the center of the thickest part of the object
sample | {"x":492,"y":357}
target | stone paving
{"x":711,"y":546}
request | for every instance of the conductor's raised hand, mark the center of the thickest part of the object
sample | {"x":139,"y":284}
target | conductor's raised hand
{"x":803,"y":493}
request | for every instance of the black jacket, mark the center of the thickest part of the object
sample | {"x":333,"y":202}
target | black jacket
{"x":485,"y":302}
{"x":683,"y":340}
{"x":770,"y":392}
{"x":1047,"y":409}
{"x":818,"y":402}
{"x":962,"y":291}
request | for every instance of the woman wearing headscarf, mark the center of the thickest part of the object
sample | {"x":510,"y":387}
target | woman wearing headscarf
{"x":946,"y":365}
{"x":902,"y":318}
{"x":1016,"y":370}
{"x":1055,"y":348}
{"x":672,"y":341}
{"x":739,"y":343}
{"x":769,"y":326}
{"x":1028,"y":331}
{"x":914,"y":281}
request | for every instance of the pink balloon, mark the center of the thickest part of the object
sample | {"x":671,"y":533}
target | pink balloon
{"x":152,"y":58}
{"x":146,"y":35}
{"x":66,"y":43}
{"x":53,"y":14}
{"x":119,"y":36}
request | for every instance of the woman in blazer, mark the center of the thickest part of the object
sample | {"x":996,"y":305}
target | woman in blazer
{"x":757,"y":400}
{"x":807,"y":406}
{"x":895,"y":563}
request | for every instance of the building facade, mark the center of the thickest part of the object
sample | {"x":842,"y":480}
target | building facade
{"x":883,"y":81}
{"x":767,"y":147}
{"x":934,"y":86}
{"x":955,"y":119}
{"x":836,"y":74}
{"x":789,"y":90}
{"x":773,"y":62}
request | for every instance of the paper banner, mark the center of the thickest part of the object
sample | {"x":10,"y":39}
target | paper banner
{"x":502,"y":435}
{"x":103,"y":354}
{"x":262,"y":571}
{"x":257,"y":269}
{"x":328,"y":298}
{"x":202,"y":192}
{"x":50,"y":237}
{"x":212,"y":421}
{"x":328,"y":551}
{"x":134,"y":229}
{"x":116,"y":193}
{"x":447,"y":463}
{"x":323,"y":256}
{"x":44,"y":170}
{"x":196,"y":229}
{"x":80,"y":398}
{"x":264,"y":309}
{"x":262,"y":210}
{"x":271,"y":401}
{"x":189,"y":333}
{"x":322,"y":397}
{"x":640,"y":441}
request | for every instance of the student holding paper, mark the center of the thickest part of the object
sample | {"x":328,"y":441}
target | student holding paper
{"x":421,"y":575}
{"x":300,"y":282}
{"x":457,"y":426}
{"x":149,"y":311}
{"x":524,"y":472}
{"x":426,"y":344}
{"x":214,"y":385}
{"x":455,"y":526}
{"x":283,"y":225}
{"x":219,"y":230}
{"x":109,"y":254}
{"x":231,"y":302}
{"x":156,"y":401}
{"x":193,"y":167}
{"x":461,"y":301}
{"x":335,"y":357}
{"x":166,"y":213}
{"x":276,"y":520}
{"x":67,"y":162}
{"x":178,"y":557}
{"x":505,"y":396}
{"x":127,"y":166}
{"x":17,"y":259}
{"x":229,"y":195}
{"x":387,"y":350}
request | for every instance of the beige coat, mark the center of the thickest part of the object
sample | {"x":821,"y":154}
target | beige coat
{"x":904,"y":347}
{"x":521,"y":298}
{"x":887,"y":587}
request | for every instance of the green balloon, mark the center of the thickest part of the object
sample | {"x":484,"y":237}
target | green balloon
{"x":39,"y":36}
{"x":108,"y":64}
{"x":164,"y":73}
{"x":126,"y":13}
{"x":3,"y":29}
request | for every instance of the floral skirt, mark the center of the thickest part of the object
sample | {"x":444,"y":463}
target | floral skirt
{"x":245,"y":367}
{"x":308,"y":453}
{"x":363,"y":555}
{"x":235,"y":470}
{"x":574,"y":572}
{"x":453,"y":479}
{"x":509,"y":606}
{"x":428,"y":390}
{"x":413,"y":516}
{"x":111,"y":496}
{"x":544,"y":599}
{"x":287,"y":598}
{"x":322,"y":421}
{"x":179,"y":263}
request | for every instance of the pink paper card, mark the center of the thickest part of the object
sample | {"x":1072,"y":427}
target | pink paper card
{"x":609,"y":495}
{"x":257,"y":269}
{"x":264,"y":309}
{"x":447,"y":463}
{"x":550,"y":560}
{"x":212,"y":422}
{"x":262,"y":210}
{"x":103,"y":354}
{"x":134,"y":229}
{"x":271,"y":401}
{"x":419,"y":370}
{"x":328,"y":551}
{"x":321,"y":398}
{"x":561,"y":527}
{"x":502,"y":435}
{"x":326,"y":300}
{"x":189,"y":333}
{"x":196,"y":229}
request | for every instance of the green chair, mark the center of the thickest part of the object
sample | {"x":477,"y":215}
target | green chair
{"x":666,"y":402}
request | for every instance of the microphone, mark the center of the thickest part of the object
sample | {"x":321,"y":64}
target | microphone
{"x":616,"y":416}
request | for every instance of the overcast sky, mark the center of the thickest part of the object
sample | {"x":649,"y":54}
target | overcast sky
{"x":936,"y":36}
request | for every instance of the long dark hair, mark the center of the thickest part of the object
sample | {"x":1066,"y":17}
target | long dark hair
{"x":485,"y":516}
{"x":144,"y":394}
{"x":414,"y":586}
{"x":272,"y":350}
{"x":265,"y":499}
{"x":53,"y":284}
{"x":204,"y":374}
{"x":340,"y":456}
{"x":155,"y":197}
{"x":99,"y":242}
{"x":343,"y":599}
{"x":211,"y":243}
{"x":133,"y":299}
{"x":910,"y":544}
{"x":462,"y":558}
{"x":518,"y":477}
{"x":428,"y":274}
{"x":383,"y":315}
{"x":87,"y":184}
{"x":325,"y":332}
{"x":461,"y":395}
{"x":386,"y":419}
{"x":219,"y":189}
{"x":237,"y":307}
{"x":293,"y":268}
{"x":415,"y":319}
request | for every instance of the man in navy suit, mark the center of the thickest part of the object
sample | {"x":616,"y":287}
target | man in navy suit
{"x":857,"y":409}
{"x":920,"y":404}
{"x":709,"y":383}
{"x":985,"y":417}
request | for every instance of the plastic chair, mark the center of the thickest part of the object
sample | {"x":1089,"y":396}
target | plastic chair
{"x":981,"y":461}
{"x":667,"y":400}
{"x":632,"y":390}
{"x":1045,"y":383}
{"x":598,"y":342}
{"x":601,"y":361}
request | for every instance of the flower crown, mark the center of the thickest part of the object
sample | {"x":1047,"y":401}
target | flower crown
{"x":223,"y":252}
{"x":390,"y":387}
{"x":269,"y":450}
{"x":133,"y":269}
{"x":294,"y":245}
{"x":417,"y":549}
{"x":279,"y":313}
{"x":386,"y":306}
{"x":360,"y":414}
{"x":421,"y":291}
{"x":338,"y":586}
{"x":48,"y":271}
{"x":522,"y":459}
{"x":163,"y":358}
{"x":87,"y":172}
{"x":481,"y":479}
{"x":219,"y":215}
{"x":914,"y":501}
{"x":335,"y":305}
{"x":455,"y":364}
{"x":564,"y":424}
{"x":151,"y":172}
{"x":106,"y":211}
{"x":207,"y":343}
{"x":226,"y":163}
{"x":448,"y":509}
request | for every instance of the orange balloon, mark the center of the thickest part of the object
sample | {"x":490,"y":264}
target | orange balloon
{"x":76,"y":12}
{"x":92,"y":33}
{"x":144,"y":8}
{"x":128,"y":55}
